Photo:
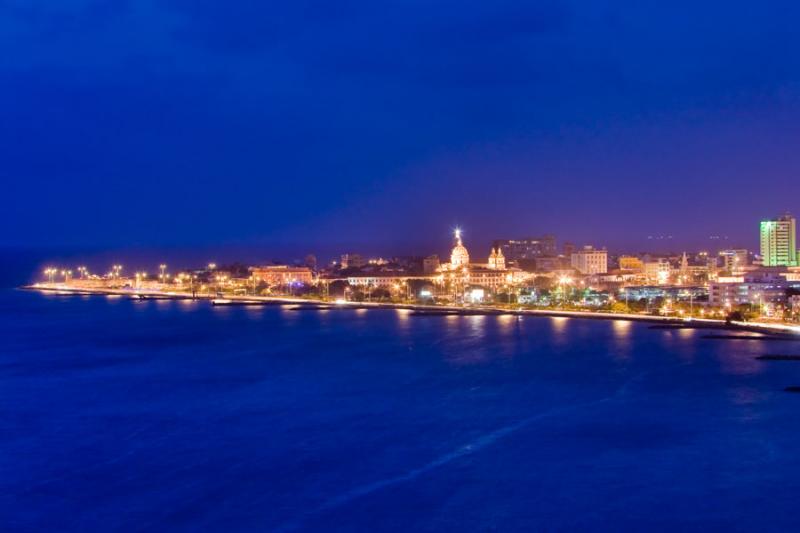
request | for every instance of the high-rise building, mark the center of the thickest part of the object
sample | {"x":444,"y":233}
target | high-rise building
{"x":778,"y":242}
{"x":590,"y":261}
{"x":516,"y":249}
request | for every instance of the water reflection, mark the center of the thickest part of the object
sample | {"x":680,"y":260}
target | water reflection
{"x":738,"y":363}
{"x":288,"y":312}
{"x":403,"y":320}
{"x":559,"y":328}
{"x":746,"y":398}
{"x":507,"y":323}
{"x":477,"y":324}
{"x":622,"y":339}
{"x":253,"y":313}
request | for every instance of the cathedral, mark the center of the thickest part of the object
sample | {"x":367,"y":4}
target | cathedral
{"x":492,"y":275}
{"x":497,"y":261}
{"x":459,"y":257}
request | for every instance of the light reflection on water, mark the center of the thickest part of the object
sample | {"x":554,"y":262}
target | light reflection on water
{"x":559,"y":328}
{"x":477,"y":323}
{"x":506,"y":323}
{"x":622,"y":331}
{"x":290,"y":397}
{"x":747,"y":399}
{"x":734,"y":362}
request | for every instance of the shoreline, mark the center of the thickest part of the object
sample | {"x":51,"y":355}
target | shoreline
{"x":423,"y":309}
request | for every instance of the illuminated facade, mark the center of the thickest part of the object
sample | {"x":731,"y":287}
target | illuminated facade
{"x":734,"y":261}
{"x":657,"y":271}
{"x":628,"y":262}
{"x":494,"y":274}
{"x":779,"y":241}
{"x":459,"y":257}
{"x":516,"y":249}
{"x":282,"y":274}
{"x":590,"y":261}
{"x":497,"y":260}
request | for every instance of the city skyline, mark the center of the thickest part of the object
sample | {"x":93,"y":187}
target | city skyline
{"x":775,"y":249}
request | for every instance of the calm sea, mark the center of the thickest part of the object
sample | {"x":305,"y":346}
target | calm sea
{"x":118,"y":415}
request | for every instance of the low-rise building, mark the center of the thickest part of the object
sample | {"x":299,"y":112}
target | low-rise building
{"x":282,"y":274}
{"x":632,"y":263}
{"x":657,"y":271}
{"x":431,"y":264}
{"x":590,"y":261}
{"x":734,"y":261}
{"x":755,"y":288}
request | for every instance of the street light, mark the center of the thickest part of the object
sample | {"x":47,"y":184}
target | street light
{"x":563,"y":281}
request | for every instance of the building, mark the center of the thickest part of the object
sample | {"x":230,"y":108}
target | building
{"x":282,"y":274}
{"x":762,"y":287}
{"x":629,"y":262}
{"x":550,"y":263}
{"x":460,"y":274}
{"x":382,"y":280}
{"x":352,"y":261}
{"x":734,"y":260}
{"x":657,"y":271}
{"x":497,"y":260}
{"x":489,"y":278}
{"x":516,"y":249}
{"x":459,"y":256}
{"x":590,"y":261}
{"x":430,"y":265}
{"x":778,"y":242}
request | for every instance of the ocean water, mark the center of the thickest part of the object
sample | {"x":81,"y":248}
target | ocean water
{"x":118,"y":415}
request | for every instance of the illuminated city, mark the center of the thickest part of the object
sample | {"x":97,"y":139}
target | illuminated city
{"x":424,"y":266}
{"x":727,"y":285}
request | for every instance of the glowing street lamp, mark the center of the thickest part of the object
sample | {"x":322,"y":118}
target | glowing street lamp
{"x":563,"y":282}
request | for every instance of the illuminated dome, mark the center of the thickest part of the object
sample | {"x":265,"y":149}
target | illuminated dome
{"x":459,"y":256}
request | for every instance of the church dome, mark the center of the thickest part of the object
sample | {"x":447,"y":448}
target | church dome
{"x":459,"y":256}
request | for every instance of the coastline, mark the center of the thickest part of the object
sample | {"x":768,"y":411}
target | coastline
{"x":667,"y":321}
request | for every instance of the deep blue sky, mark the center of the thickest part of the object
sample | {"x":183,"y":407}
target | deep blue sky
{"x":383,"y":124}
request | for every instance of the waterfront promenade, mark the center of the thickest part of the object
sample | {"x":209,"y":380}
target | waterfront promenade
{"x":438,"y":309}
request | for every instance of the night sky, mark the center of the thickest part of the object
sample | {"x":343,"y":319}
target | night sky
{"x":382,"y":125}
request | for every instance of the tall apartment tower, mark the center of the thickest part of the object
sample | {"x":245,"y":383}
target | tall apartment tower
{"x":778,"y":241}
